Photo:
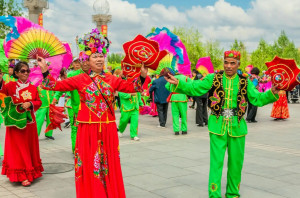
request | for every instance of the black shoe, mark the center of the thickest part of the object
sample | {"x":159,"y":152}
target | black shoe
{"x":206,"y":124}
{"x":200,"y":125}
{"x":67,"y":125}
{"x":249,"y":121}
{"x":184,"y":133}
{"x":254,"y":121}
{"x":176,"y":133}
{"x":50,"y":137}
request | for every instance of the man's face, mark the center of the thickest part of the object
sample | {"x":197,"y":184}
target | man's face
{"x":231,"y":66}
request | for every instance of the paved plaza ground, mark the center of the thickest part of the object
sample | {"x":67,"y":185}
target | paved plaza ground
{"x":165,"y":165}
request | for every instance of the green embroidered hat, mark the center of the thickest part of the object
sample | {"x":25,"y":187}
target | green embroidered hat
{"x":14,"y":115}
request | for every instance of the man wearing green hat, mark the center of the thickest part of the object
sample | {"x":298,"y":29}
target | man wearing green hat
{"x":228,"y":94}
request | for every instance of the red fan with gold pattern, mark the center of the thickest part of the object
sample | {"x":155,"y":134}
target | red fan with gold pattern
{"x":138,"y":51}
{"x":284,"y":73}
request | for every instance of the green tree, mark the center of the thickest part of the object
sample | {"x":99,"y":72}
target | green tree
{"x":114,"y":59}
{"x":191,"y":38}
{"x":212,"y":49}
{"x":285,"y":48}
{"x":8,"y":7}
{"x":264,"y":53}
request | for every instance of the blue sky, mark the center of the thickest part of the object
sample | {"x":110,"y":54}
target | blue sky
{"x":186,"y":4}
{"x":224,"y":21}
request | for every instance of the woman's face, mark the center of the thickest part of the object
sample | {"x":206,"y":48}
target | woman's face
{"x":96,"y":62}
{"x":23,"y":73}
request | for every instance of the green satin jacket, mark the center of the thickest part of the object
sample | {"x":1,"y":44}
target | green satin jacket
{"x":130,"y":103}
{"x":46,"y":97}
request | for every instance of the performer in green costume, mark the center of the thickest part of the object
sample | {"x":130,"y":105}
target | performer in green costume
{"x":130,"y":104}
{"x":179,"y":108}
{"x":73,"y":104}
{"x":46,"y":97}
{"x":228,"y":96}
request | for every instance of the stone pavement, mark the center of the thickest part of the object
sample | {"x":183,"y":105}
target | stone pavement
{"x":165,"y":165}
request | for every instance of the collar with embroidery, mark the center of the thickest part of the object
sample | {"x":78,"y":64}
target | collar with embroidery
{"x":93,"y":74}
{"x":230,"y":77}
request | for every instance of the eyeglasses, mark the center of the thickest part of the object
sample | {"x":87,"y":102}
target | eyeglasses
{"x":23,"y":71}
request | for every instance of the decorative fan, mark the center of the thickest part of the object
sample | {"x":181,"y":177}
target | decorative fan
{"x":284,"y":73}
{"x":205,"y":66}
{"x":167,"y":61}
{"x":35,"y":42}
{"x":30,"y":40}
{"x":172,"y":43}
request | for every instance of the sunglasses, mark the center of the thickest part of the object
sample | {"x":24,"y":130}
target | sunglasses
{"x":23,"y":71}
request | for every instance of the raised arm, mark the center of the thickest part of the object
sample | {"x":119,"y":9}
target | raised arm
{"x":50,"y":83}
{"x":68,"y":84}
{"x":261,"y":98}
{"x":189,"y":87}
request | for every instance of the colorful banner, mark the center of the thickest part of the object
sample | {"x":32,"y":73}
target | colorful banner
{"x":41,"y":20}
{"x":104,"y":30}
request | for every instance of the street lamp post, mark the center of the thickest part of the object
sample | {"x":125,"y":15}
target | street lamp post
{"x":35,"y":8}
{"x":102,"y":18}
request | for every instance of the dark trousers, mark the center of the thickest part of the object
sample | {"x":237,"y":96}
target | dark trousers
{"x":201,"y":110}
{"x":194,"y":101}
{"x":251,"y":114}
{"x":162,"y":110}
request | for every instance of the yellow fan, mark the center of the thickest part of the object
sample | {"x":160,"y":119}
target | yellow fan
{"x":35,"y":42}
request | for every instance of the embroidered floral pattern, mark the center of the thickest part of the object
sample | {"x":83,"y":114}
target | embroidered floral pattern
{"x":243,"y":105}
{"x":97,"y":104}
{"x":48,"y":82}
{"x":78,"y":165}
{"x":242,"y":98}
{"x":100,"y":163}
{"x":213,"y":187}
{"x":137,"y":84}
{"x":26,"y":95}
{"x":216,"y":95}
{"x":215,"y":99}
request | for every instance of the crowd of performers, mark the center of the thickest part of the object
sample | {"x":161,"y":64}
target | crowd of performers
{"x":92,"y":94}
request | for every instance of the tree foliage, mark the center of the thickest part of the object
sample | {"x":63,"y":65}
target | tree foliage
{"x":196,"y":48}
{"x":240,"y":46}
{"x":191,"y":38}
{"x":8,"y":7}
{"x":114,"y":59}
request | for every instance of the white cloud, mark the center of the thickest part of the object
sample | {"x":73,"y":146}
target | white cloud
{"x":222,"y":21}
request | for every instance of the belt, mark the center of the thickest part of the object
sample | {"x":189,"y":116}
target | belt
{"x":227,"y":113}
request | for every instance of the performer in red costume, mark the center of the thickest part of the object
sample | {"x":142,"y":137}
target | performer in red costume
{"x":97,"y":159}
{"x":280,"y":110}
{"x":22,"y":162}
